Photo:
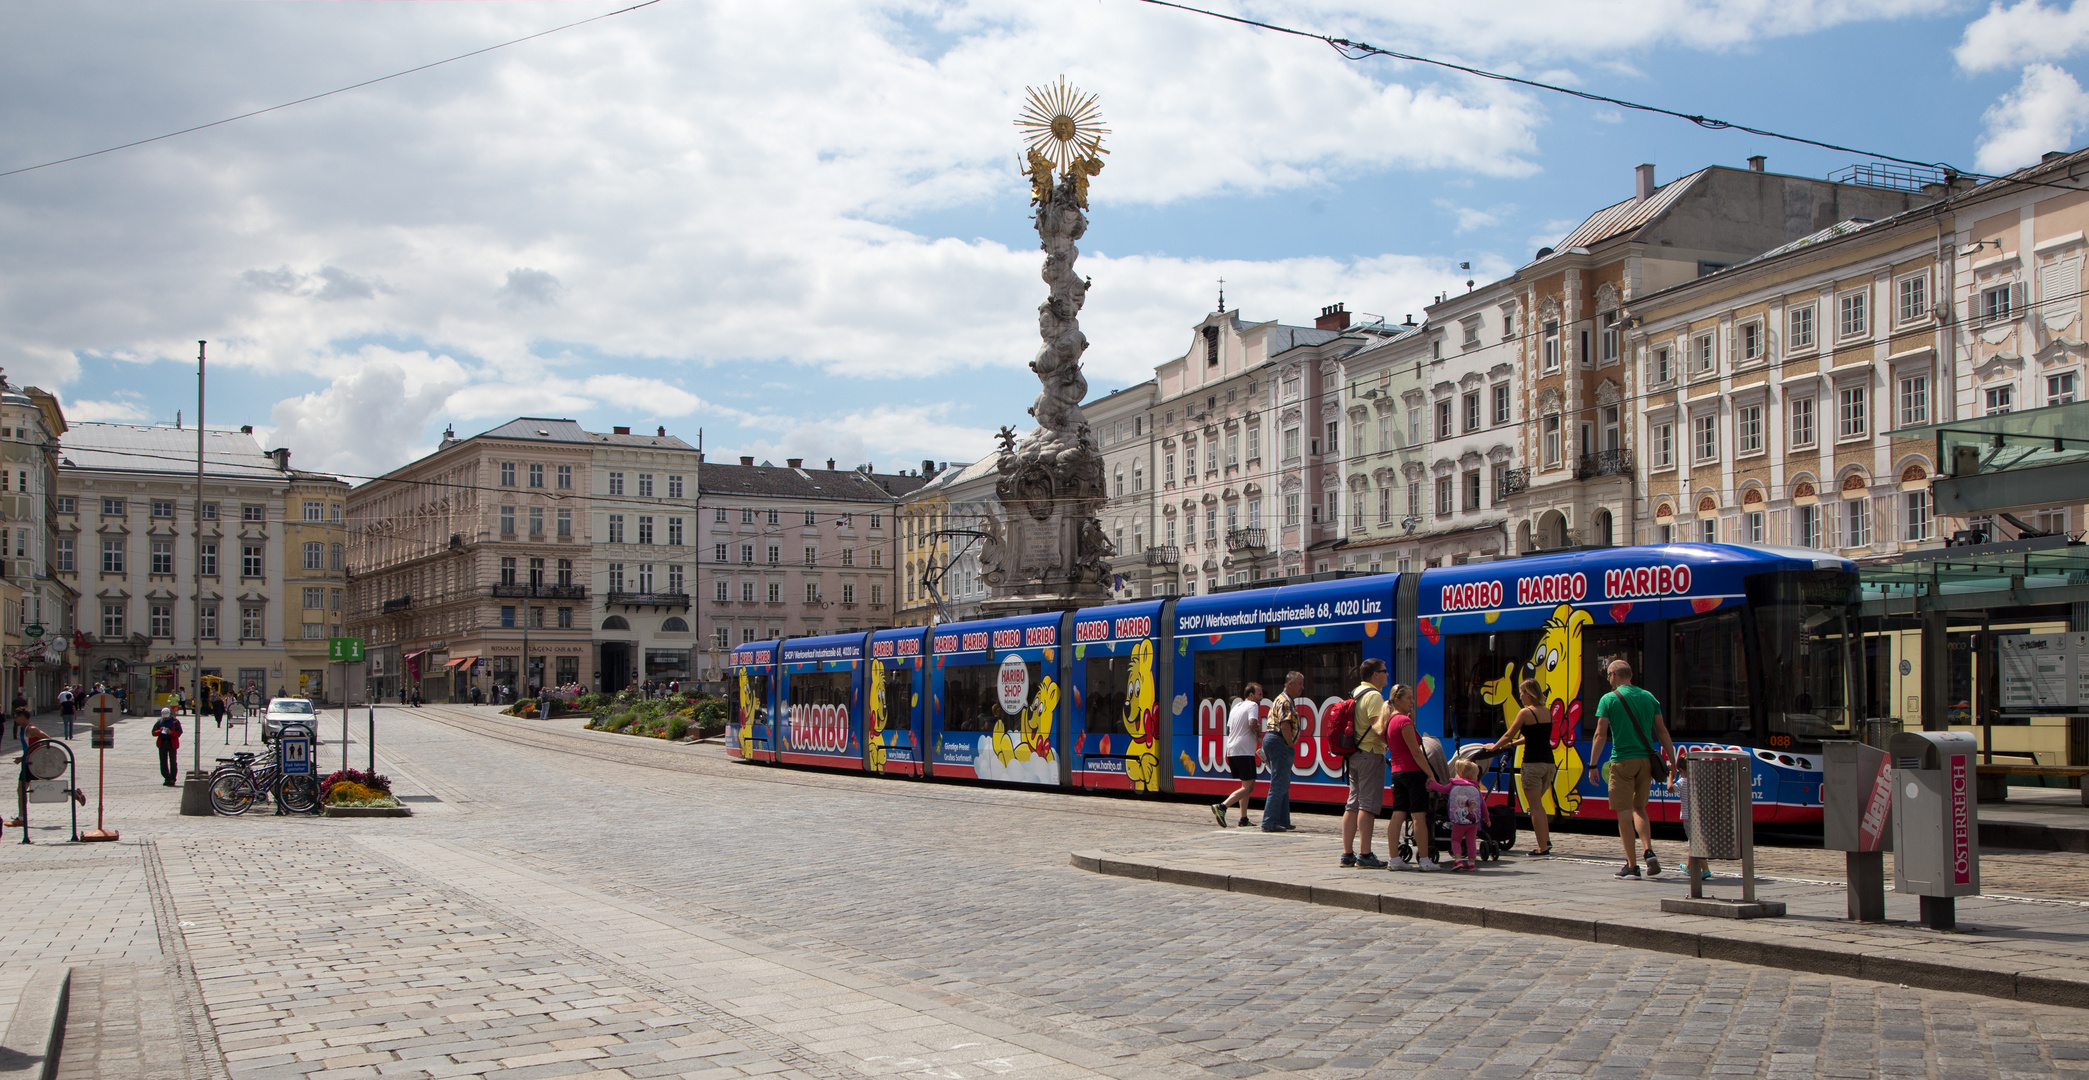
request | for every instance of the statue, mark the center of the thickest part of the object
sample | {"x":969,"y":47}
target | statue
{"x":1050,"y":549}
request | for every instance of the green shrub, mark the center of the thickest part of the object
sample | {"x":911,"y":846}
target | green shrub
{"x":617,"y":721}
{"x":677,"y":728}
{"x":711,"y":713}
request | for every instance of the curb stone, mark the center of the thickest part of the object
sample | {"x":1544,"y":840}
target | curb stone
{"x":2042,"y":985}
{"x":36,"y":1032}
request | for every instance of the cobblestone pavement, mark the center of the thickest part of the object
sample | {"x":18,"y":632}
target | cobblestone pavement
{"x":578,"y":903}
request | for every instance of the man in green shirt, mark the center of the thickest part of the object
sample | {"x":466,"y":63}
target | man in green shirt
{"x":1630,"y":719}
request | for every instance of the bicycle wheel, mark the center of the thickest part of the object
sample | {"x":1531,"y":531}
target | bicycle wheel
{"x":301,"y":794}
{"x":231,"y":794}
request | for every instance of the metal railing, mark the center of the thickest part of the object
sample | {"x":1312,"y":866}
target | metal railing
{"x":650,"y":599}
{"x":1604,"y":463}
{"x":1247,"y":539}
{"x":541,"y":592}
{"x":401,"y":604}
{"x":1163,"y":556}
{"x":1511,"y":482}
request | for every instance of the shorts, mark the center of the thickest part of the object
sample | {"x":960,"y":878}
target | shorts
{"x":1366,"y":782}
{"x":1538,"y":778}
{"x":1243,"y":768}
{"x":1410,"y":793}
{"x":1630,"y":781}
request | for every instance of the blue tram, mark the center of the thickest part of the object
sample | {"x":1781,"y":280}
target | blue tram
{"x":1746,"y":647}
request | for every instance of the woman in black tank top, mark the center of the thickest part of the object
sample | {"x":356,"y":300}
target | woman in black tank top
{"x":1533,"y":728}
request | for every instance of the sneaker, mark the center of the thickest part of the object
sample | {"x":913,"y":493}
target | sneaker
{"x":1272,"y":828}
{"x":1629,"y":870}
{"x":15,"y":822}
{"x":1401,"y":864}
{"x":1244,"y":823}
{"x":1653,"y":864}
{"x":1537,"y":853}
{"x":1704,"y":875}
{"x":1288,"y":828}
{"x":1427,"y":866}
{"x":1218,"y":810}
{"x":1348,"y":859}
{"x":1369,"y":861}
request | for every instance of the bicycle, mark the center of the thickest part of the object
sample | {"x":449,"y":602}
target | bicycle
{"x":244,"y":779}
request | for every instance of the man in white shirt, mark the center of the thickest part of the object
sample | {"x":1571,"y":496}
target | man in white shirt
{"x":1243,"y":751}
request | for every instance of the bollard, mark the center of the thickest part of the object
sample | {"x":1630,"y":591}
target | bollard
{"x":1721,"y":798}
{"x":373,"y":740}
{"x":1856,"y":816}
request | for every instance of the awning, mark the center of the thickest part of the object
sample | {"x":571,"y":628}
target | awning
{"x":461,"y":661}
{"x":415,"y":655}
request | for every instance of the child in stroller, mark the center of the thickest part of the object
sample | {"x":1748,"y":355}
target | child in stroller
{"x":1497,"y":824}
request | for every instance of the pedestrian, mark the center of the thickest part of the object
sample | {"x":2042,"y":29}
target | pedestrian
{"x":19,"y":704}
{"x":1629,"y":720}
{"x":1539,"y":770}
{"x":217,"y":709}
{"x":1413,"y":768}
{"x":66,"y":709}
{"x":123,"y":701}
{"x":1243,"y":724}
{"x":1279,"y":740}
{"x":1366,"y":767}
{"x":167,"y":733}
{"x":1465,"y":805}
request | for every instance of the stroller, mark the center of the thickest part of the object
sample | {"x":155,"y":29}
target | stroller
{"x":1497,"y":832}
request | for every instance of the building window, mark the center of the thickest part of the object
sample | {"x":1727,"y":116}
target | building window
{"x":1550,"y":348}
{"x":161,"y":620}
{"x":536,"y":573}
{"x":250,"y":561}
{"x":565,"y":524}
{"x":1663,"y":366}
{"x":1472,"y":490}
{"x":1551,"y":429}
{"x":2060,"y":389}
{"x":1914,"y":400}
{"x":207,"y":560}
{"x":161,"y":508}
{"x":1857,"y":518}
{"x":1117,"y":483}
{"x":1255,"y":442}
{"x":674,"y":578}
{"x":209,"y":622}
{"x":645,"y":577}
{"x":1607,"y":341}
{"x":1704,"y":437}
{"x":536,"y":474}
{"x":1704,"y":354}
{"x":1291,"y":511}
{"x":62,"y":555}
{"x":877,"y":555}
{"x":1915,"y":515}
{"x":335,"y":596}
{"x":1443,"y":419}
{"x":65,"y":504}
{"x":565,"y":573}
{"x":1748,"y":341}
{"x":1911,"y":297}
{"x":746,"y":590}
{"x":718,"y":515}
{"x":674,"y":487}
{"x":722,"y":638}
{"x":253,"y":512}
{"x":507,"y":570}
{"x":1999,"y":302}
{"x":1753,"y":524}
{"x":848,"y":556}
{"x":775,"y":519}
{"x":812,"y":592}
{"x":1708,"y":530}
{"x":1443,"y":495}
{"x":1211,"y":455}
{"x":674,"y":532}
{"x":112,"y":508}
{"x":507,"y":616}
{"x":315,"y":556}
{"x":1799,"y":328}
{"x":812,"y":556}
{"x":334,"y":512}
{"x":507,"y":474}
{"x":1385,"y":506}
{"x":112,"y":556}
{"x":616,"y":579}
{"x":565,"y":618}
{"x":720,"y":591}
{"x":112,"y":621}
{"x":848,"y":593}
{"x":334,"y":560}
{"x":775,"y":555}
{"x":1232,"y":448}
{"x":1802,"y":421}
{"x":1501,"y":405}
{"x":1852,"y":317}
{"x":1290,"y":444}
{"x":314,"y":630}
{"x":1663,"y":437}
{"x":564,"y":478}
{"x":1167,"y":468}
{"x":1806,"y":526}
{"x":2000,"y":399}
{"x":162,"y":554}
{"x":645,"y":528}
{"x":645,"y":485}
{"x":250,"y":622}
{"x":1748,"y":429}
{"x":507,"y":521}
{"x":877,"y":595}
{"x":616,"y":487}
{"x":746,"y":553}
{"x":1138,"y":477}
{"x":616,"y":528}
{"x":1472,"y":411}
{"x":1851,"y":418}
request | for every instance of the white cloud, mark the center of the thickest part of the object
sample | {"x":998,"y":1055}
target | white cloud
{"x":119,"y":411}
{"x":1470,"y":218}
{"x":2008,"y":36}
{"x":2043,"y":113}
{"x":372,"y":418}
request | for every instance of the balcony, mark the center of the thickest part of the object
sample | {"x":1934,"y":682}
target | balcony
{"x":542,"y":592}
{"x":1247,"y":539}
{"x":1604,"y":463}
{"x":649,"y":599}
{"x":1163,"y":556}
{"x":1511,"y":482}
{"x":393,"y":607}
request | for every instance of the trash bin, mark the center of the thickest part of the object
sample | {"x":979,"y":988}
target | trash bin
{"x":1936,"y":821}
{"x":1720,"y":802}
{"x":1879,"y":730}
{"x":1856,"y":816}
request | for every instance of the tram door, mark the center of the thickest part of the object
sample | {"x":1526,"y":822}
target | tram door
{"x":903,"y":719}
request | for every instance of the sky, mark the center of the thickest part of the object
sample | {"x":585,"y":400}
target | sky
{"x":798,"y":226}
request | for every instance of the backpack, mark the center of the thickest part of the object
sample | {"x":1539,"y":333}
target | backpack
{"x":1340,"y":723}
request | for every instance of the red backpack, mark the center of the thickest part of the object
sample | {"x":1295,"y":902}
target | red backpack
{"x":1339,"y":722}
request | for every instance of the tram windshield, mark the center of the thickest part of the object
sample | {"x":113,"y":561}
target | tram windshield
{"x":1806,"y":624}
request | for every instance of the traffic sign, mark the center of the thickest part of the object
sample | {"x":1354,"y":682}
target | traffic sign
{"x":102,"y":707}
{"x":104,"y":738}
{"x":33,"y":630}
{"x":344,"y":650}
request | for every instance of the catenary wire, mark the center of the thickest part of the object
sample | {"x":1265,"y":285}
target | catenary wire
{"x":326,"y":94}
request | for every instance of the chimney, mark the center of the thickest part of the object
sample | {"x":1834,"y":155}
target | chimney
{"x":1332,"y":317}
{"x":282,"y":456}
{"x":1644,"y":175}
{"x":928,"y":468}
{"x":747,"y":459}
{"x":246,"y":429}
{"x":663,"y":431}
{"x":621,"y":430}
{"x":794,"y":462}
{"x":830,"y":464}
{"x":1410,"y":319}
{"x":1756,"y":163}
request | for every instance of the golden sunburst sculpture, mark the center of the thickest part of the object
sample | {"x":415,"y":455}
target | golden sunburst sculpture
{"x":1065,"y":133}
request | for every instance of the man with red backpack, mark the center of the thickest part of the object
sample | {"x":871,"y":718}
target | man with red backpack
{"x":1356,"y":725}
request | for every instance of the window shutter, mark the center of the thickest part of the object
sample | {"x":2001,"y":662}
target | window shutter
{"x":1780,"y":528}
{"x":1886,"y":526}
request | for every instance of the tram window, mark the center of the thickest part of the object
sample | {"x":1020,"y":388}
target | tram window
{"x":1708,"y":679}
{"x":1108,"y":681}
{"x":1330,"y":670}
{"x":1599,"y":646}
{"x":899,"y":699}
{"x":1806,"y":630}
{"x":972,"y":697}
{"x":820,"y":688}
{"x":757,"y":694}
{"x":1470,"y":663}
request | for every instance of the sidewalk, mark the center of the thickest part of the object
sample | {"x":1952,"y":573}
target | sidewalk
{"x":2018,"y":945}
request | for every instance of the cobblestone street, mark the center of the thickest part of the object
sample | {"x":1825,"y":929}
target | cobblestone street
{"x":569,"y":902}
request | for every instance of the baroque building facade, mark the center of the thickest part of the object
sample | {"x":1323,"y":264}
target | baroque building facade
{"x":38,"y":631}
